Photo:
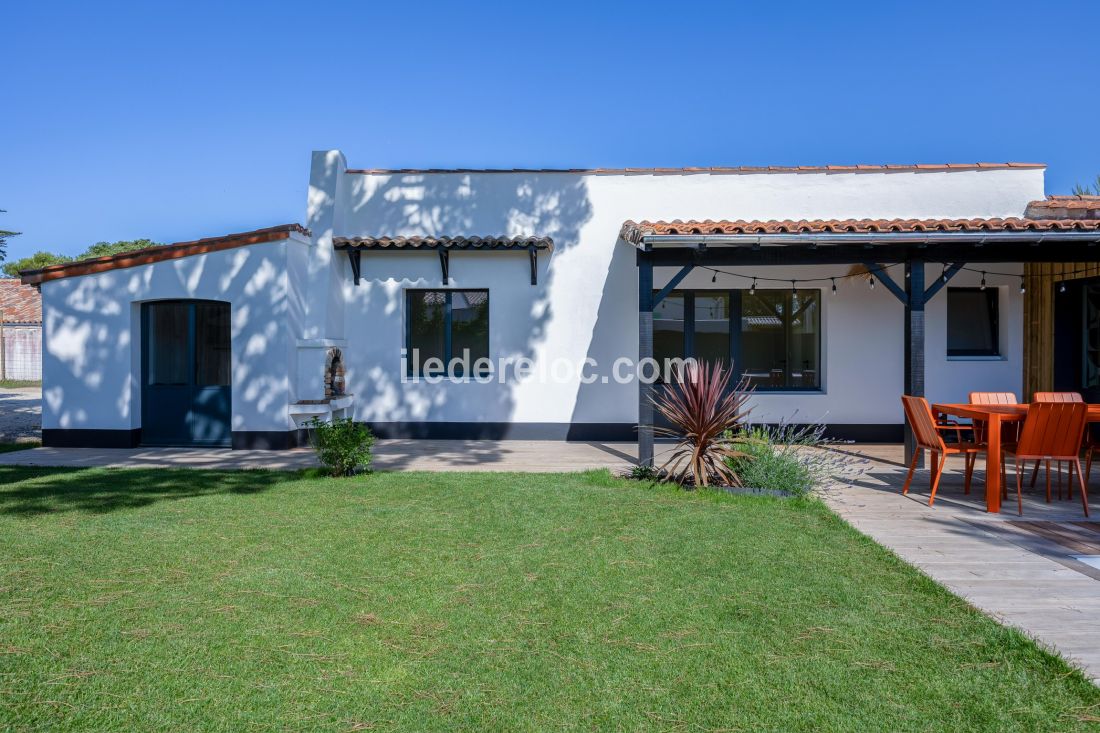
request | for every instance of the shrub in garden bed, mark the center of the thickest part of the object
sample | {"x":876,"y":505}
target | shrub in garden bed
{"x":343,"y":446}
{"x":782,"y":458}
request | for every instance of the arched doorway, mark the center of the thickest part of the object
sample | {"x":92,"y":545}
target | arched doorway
{"x":185,"y":368}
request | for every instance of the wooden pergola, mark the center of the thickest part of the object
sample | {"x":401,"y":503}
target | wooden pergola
{"x":874,"y":244}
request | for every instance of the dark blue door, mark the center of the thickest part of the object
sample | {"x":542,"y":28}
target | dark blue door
{"x":185,"y":373}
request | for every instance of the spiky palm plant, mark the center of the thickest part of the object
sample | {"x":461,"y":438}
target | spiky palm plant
{"x":709,"y":420}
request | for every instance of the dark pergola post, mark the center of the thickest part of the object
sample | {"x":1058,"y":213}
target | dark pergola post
{"x":914,"y":340}
{"x":645,"y":351}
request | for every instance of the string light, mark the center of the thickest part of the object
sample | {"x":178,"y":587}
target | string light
{"x":870,"y":275}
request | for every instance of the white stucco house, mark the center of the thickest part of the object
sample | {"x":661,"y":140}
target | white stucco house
{"x":833,"y":290}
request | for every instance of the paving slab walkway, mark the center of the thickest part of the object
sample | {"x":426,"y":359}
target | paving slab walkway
{"x":1020,"y":570}
{"x":389,"y":455}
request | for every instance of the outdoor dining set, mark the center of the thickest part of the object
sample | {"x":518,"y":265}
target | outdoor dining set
{"x":1052,"y":430}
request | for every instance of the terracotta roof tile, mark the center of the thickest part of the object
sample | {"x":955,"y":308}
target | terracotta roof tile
{"x":460,"y":242}
{"x":19,"y":303}
{"x":715,"y":169}
{"x":1073,"y":206}
{"x":164,"y":252}
{"x":634,"y":231}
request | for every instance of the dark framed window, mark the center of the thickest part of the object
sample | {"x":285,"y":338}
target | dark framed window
{"x":446,"y":325}
{"x":973,"y":322}
{"x":772,"y":337}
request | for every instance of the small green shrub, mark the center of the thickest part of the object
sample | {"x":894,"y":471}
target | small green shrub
{"x":783,"y":458}
{"x":343,"y":446}
{"x":642,"y":473}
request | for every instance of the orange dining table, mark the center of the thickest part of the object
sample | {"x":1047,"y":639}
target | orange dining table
{"x":993,"y":416}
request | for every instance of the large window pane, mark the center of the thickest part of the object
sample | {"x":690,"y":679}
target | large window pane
{"x":444,"y":324}
{"x":972,"y":322}
{"x":668,"y":329}
{"x":212,"y":339}
{"x":168,"y":343}
{"x":712,"y":327}
{"x":470,"y":324}
{"x":780,"y":340}
{"x":427,"y":324}
{"x":804,"y":339}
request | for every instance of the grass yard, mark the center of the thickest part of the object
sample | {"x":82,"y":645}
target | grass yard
{"x":151,"y":600}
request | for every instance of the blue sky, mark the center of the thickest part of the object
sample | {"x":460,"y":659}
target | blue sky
{"x":179,"y":120}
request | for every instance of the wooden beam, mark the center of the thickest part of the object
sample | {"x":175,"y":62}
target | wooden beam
{"x":445,"y":265}
{"x":949,"y":272}
{"x":914,"y":341}
{"x":676,"y":280}
{"x":879,"y":271}
{"x":353,"y":258}
{"x":847,"y":254}
{"x":645,"y":351}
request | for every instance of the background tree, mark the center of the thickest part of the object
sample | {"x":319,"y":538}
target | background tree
{"x":106,"y":249}
{"x":4,"y":234}
{"x":35,"y":262}
{"x":1087,"y":190}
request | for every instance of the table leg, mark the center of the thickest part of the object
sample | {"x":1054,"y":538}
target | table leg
{"x":993,"y":464}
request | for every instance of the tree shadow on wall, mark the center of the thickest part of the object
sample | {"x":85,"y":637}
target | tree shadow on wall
{"x":556,"y":205}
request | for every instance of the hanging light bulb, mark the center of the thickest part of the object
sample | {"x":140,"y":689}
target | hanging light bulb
{"x":752,"y":288}
{"x":1062,"y":287}
{"x":793,"y":288}
{"x":1023,"y":289}
{"x":944,"y":275}
{"x":833,"y":280}
{"x":714,"y":277}
{"x":872,"y":281}
{"x":983,"y":280}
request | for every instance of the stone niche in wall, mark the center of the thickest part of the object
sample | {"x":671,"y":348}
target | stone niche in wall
{"x":321,"y":390}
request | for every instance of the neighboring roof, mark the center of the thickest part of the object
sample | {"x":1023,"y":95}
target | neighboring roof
{"x":19,"y":303}
{"x":158,"y":254}
{"x":634,"y":231}
{"x":1074,"y":201}
{"x":450,"y":243}
{"x":716,"y":169}
{"x":1066,"y":207}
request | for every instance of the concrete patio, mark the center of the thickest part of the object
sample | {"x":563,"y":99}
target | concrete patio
{"x":389,"y":455}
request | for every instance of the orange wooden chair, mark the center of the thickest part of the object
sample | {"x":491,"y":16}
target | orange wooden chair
{"x":994,"y":398}
{"x":927,"y":434}
{"x":1063,"y":398}
{"x":1052,"y":432}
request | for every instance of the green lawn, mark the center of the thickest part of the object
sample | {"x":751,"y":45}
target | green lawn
{"x":153,"y":600}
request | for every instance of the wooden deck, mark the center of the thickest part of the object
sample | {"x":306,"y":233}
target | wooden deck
{"x":1020,"y":570}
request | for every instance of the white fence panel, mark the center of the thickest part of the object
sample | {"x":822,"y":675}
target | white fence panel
{"x":22,"y":357}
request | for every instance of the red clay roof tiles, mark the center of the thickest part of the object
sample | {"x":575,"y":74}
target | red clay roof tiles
{"x":634,"y":231}
{"x":19,"y":303}
{"x":445,"y":242}
{"x":164,"y":252}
